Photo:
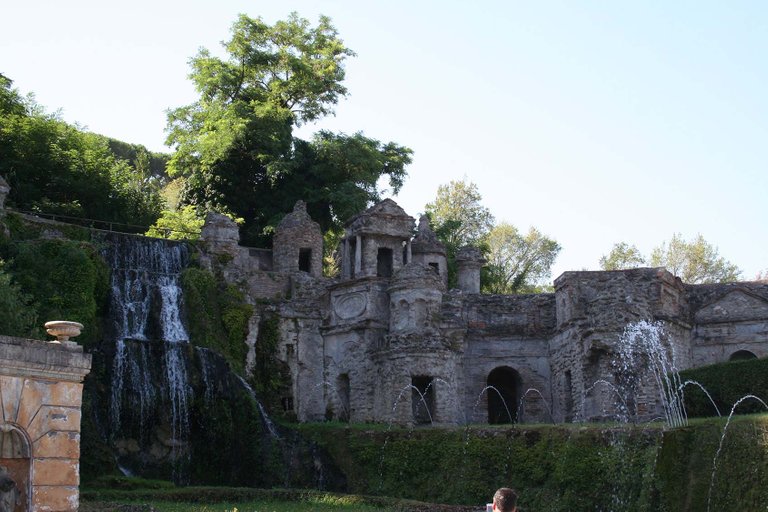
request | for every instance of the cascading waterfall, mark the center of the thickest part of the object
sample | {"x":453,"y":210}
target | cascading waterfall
{"x":145,"y":319}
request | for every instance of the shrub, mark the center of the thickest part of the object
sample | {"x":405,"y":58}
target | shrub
{"x":726,"y":383}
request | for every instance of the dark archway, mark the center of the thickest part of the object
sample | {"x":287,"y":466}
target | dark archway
{"x":15,"y":464}
{"x":504,"y":397}
{"x":742,"y":355}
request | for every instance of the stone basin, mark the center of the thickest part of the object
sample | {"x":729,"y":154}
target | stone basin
{"x":63,"y":330}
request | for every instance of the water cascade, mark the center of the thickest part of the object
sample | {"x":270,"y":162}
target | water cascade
{"x":145,"y":326}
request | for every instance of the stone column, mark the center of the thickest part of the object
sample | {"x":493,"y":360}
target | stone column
{"x":469,"y":261}
{"x":345,"y":259}
{"x":358,"y":255}
{"x":408,"y":253}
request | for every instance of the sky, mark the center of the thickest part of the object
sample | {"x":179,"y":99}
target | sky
{"x":597,"y":122}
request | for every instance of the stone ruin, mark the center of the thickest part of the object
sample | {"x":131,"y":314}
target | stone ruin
{"x":386,"y":342}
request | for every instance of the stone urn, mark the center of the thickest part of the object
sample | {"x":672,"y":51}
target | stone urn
{"x":63,"y":330}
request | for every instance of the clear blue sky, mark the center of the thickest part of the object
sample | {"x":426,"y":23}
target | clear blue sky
{"x":596,"y":122}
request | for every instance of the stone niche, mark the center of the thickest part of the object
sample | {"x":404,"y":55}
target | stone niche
{"x":40,"y":400}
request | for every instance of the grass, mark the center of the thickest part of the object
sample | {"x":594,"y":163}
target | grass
{"x":229,"y":499}
{"x":255,"y":506}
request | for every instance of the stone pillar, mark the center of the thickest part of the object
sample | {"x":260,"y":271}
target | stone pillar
{"x":408,"y":253}
{"x":469,"y":261}
{"x":345,"y":264}
{"x":43,"y":420}
{"x":358,"y":255}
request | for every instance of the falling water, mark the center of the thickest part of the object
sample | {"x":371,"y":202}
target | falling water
{"x":644,"y":346}
{"x":145,"y":313}
{"x":722,"y":439}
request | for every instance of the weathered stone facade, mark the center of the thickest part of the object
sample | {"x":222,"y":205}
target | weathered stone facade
{"x":386,"y":342}
{"x":41,"y":396}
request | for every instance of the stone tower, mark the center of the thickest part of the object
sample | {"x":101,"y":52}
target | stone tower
{"x":469,"y":261}
{"x":416,"y":362}
{"x":377,"y":242}
{"x":428,"y":250}
{"x":298,"y":243}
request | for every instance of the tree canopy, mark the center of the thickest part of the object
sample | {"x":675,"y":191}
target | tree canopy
{"x":54,"y":167}
{"x":458,"y":215}
{"x":621,"y":257}
{"x":235,"y":144}
{"x":695,"y":262}
{"x":517,"y":263}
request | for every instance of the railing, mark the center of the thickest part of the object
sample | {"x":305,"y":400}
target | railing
{"x":101,"y":225}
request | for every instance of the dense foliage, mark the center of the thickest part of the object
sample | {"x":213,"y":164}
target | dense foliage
{"x":622,"y":256}
{"x":726,"y":383}
{"x":180,"y":224}
{"x":52,"y":280}
{"x":695,"y":261}
{"x":17,"y":315}
{"x":56,"y":168}
{"x":235,"y":144}
{"x":554,"y":469}
{"x":574,"y":467}
{"x":516,"y":262}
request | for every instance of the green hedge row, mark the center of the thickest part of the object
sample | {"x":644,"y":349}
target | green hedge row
{"x":561,"y":468}
{"x":726,"y":383}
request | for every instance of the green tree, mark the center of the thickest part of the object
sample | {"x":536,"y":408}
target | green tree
{"x":54,"y":167}
{"x":235,"y":145}
{"x":458,"y":215}
{"x":17,"y":313}
{"x":11,"y":102}
{"x":459,"y":218}
{"x":622,"y":256}
{"x":518,"y":263}
{"x":695,"y":262}
{"x":181,"y":224}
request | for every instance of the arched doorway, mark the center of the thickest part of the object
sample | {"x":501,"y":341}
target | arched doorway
{"x":742,"y":355}
{"x":503,"y":395}
{"x":14,"y":468}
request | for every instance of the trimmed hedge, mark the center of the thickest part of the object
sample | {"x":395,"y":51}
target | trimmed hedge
{"x":554,"y":468}
{"x":561,"y":468}
{"x":726,"y":383}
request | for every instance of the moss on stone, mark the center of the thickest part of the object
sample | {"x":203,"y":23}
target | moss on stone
{"x":217,"y":315}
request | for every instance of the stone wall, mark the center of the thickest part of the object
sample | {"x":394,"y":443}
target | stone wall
{"x":41,"y":390}
{"x":511,"y":332}
{"x":728,"y":318}
{"x":357,"y":346}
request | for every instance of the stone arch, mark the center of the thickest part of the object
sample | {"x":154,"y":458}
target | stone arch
{"x":16,"y":461}
{"x":504,"y":396}
{"x":742,"y":355}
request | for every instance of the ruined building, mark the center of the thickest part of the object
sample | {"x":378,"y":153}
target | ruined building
{"x":386,"y":341}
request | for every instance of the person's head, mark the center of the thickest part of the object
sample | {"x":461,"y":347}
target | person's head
{"x":505,"y":500}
